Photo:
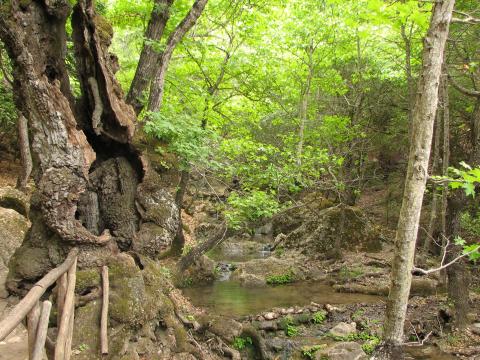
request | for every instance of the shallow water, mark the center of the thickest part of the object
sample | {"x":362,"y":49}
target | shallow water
{"x":427,"y":352}
{"x":231,"y":299}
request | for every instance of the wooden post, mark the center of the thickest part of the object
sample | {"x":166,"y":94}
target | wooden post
{"x":61,"y":291}
{"x":42,"y":331}
{"x":32,"y":325}
{"x":68,"y":307}
{"x":18,"y":313}
{"x":104,"y":319}
{"x":68,"y":342}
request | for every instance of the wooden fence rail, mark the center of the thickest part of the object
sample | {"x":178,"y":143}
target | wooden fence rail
{"x":22,"y":309}
{"x":38,"y":314}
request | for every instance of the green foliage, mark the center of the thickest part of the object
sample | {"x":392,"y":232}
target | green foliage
{"x":466,"y":178}
{"x":186,"y":249}
{"x":470,"y":223}
{"x":183,"y":135}
{"x":347,"y":273}
{"x":309,"y":351}
{"x":241,"y":343}
{"x":253,"y":206}
{"x":8,"y":115}
{"x":281,"y":279}
{"x":279,"y":251}
{"x":319,"y":317}
{"x":82,"y":347}
{"x":371,"y":341}
{"x":186,"y":282}
{"x":291,"y":330}
{"x":370,"y":345}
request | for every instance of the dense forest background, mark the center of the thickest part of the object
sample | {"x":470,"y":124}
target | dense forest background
{"x":164,"y":128}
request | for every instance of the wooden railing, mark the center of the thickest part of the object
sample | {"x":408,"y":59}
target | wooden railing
{"x":38,"y":314}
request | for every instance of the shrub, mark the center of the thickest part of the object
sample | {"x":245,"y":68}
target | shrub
{"x":249,"y":208}
{"x":309,"y":351}
{"x":281,"y":279}
{"x":319,"y":317}
{"x":241,"y":343}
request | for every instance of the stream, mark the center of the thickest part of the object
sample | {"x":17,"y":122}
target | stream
{"x":231,"y":299}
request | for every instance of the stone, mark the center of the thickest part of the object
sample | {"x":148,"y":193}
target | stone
{"x":276,"y":344}
{"x":11,"y":198}
{"x":13,"y":228}
{"x":342,"y":351}
{"x":270,"y":315}
{"x":331,"y":230}
{"x":268,"y":325}
{"x":255,"y":272}
{"x":344,"y":329}
{"x":152,"y":240}
{"x":250,"y":280}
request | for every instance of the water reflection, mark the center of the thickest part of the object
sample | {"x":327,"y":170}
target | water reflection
{"x":229,"y":298}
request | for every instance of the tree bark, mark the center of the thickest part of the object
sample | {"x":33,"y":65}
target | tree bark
{"x":25,"y":155}
{"x":423,"y":119}
{"x":407,"y":39}
{"x":149,"y":56}
{"x":90,"y":177}
{"x":433,"y":222}
{"x":156,"y":91}
{"x":304,"y":106}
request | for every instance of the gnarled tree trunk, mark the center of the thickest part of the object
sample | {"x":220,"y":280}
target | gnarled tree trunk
{"x":92,"y":184}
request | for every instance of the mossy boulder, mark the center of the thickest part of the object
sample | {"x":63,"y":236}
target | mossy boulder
{"x":87,"y":279}
{"x":333,"y":229}
{"x":127,"y":291}
{"x":29,"y":263}
{"x":255,"y":272}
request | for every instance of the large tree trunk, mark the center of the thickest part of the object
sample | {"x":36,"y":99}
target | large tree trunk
{"x":91,"y":182}
{"x":417,"y":173}
{"x":25,"y":154}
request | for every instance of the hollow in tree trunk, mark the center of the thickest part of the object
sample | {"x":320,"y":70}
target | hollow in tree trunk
{"x":94,"y":190}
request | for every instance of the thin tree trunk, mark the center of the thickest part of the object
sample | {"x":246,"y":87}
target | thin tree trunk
{"x":457,"y":276}
{"x":446,"y":150}
{"x":433,"y":222}
{"x":407,"y":229}
{"x":156,"y":91}
{"x":25,"y":155}
{"x":149,"y":56}
{"x":407,"y":39}
{"x":179,"y":241}
{"x":304,"y":110}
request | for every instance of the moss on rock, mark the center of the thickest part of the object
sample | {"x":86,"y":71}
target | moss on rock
{"x":86,"y":279}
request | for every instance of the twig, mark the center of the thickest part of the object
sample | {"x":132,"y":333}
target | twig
{"x":443,"y":266}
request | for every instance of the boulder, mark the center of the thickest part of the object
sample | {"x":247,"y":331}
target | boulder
{"x":342,"y":351}
{"x":11,"y":198}
{"x":344,"y":329}
{"x":255,"y":272}
{"x":13,"y":228}
{"x":152,"y":240}
{"x":287,"y":221}
{"x":333,"y":229}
